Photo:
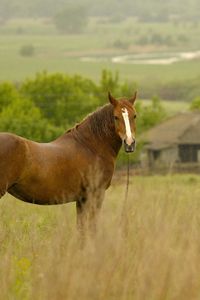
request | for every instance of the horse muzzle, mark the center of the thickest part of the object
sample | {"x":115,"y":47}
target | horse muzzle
{"x":131,"y":147}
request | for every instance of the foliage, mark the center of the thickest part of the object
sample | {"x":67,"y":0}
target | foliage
{"x":72,"y":19}
{"x":195,"y":104}
{"x":24,"y":118}
{"x":110,"y":81}
{"x":60,"y":97}
{"x":27,"y":50}
{"x":8,"y":94}
{"x":150,"y":115}
{"x":120,"y":44}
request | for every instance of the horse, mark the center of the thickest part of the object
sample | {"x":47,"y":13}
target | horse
{"x":64,"y":170}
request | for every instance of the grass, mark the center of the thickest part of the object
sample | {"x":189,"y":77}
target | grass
{"x":61,"y":53}
{"x":152,"y":252}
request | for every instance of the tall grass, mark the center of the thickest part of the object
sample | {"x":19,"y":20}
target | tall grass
{"x":151,"y":252}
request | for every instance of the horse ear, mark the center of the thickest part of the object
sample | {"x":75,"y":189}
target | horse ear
{"x":133,"y":98}
{"x":112,"y":100}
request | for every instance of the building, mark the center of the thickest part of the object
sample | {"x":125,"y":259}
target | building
{"x":174,"y":142}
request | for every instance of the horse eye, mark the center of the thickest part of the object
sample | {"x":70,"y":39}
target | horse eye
{"x":116,"y":118}
{"x":134,"y":116}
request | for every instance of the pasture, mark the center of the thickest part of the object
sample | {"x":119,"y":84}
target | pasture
{"x":56,"y":52}
{"x":150,"y":252}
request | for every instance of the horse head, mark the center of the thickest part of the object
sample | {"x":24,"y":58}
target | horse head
{"x":124,"y":115}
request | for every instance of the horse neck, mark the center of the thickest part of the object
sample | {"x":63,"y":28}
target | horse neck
{"x":101,"y":138}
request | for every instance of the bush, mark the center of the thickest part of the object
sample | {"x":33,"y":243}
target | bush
{"x":150,"y":115}
{"x":27,"y":50}
{"x":62,"y":99}
{"x":195,"y":105}
{"x":24,"y":118}
{"x":8,"y":94}
{"x":119,"y":44}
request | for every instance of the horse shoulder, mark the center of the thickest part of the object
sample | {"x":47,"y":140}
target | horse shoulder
{"x":11,"y":144}
{"x":12,"y":154}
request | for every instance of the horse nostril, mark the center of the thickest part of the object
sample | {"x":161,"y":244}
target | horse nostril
{"x":130,"y":147}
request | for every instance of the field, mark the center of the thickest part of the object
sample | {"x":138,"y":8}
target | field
{"x":151,"y":252}
{"x":100,"y":42}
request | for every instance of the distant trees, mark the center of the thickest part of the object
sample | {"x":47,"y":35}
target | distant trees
{"x":151,"y":11}
{"x":63,"y":100}
{"x":44,"y":107}
{"x":72,"y":19}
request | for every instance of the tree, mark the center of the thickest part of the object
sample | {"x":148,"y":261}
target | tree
{"x":24,"y":118}
{"x":8,"y":94}
{"x":62,"y":99}
{"x":72,"y":19}
{"x":150,"y":115}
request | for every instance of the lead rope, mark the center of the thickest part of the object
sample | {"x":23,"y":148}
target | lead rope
{"x":124,"y":220}
{"x":127,"y":181}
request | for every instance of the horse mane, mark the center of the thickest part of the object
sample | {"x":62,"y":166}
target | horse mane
{"x":100,"y":122}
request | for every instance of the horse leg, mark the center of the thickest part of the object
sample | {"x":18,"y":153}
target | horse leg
{"x":88,"y":213}
{"x":2,"y":193}
{"x":95,"y":204}
{"x":81,"y":220}
{"x":3,"y":189}
{"x":80,"y":211}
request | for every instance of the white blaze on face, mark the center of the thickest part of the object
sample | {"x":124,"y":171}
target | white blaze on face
{"x":129,"y":137}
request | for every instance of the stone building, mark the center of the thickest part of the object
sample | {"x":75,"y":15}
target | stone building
{"x":175,"y":141}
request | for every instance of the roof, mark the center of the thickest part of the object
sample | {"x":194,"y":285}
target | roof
{"x":179,"y":129}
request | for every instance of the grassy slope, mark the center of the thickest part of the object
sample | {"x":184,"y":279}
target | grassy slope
{"x":151,"y":253}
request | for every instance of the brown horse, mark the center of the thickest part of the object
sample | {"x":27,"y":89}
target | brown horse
{"x":64,"y":170}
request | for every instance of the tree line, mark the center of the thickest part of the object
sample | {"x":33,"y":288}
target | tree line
{"x":44,"y":107}
{"x":151,"y":10}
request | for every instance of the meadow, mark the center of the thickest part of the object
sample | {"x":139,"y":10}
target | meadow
{"x":148,"y":252}
{"x":57,"y":52}
{"x":146,"y":248}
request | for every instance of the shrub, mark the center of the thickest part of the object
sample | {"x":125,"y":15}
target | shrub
{"x":119,"y":44}
{"x":195,"y":105}
{"x":150,"y":115}
{"x":62,"y":99}
{"x":27,"y":50}
{"x":24,"y":118}
{"x":8,"y":94}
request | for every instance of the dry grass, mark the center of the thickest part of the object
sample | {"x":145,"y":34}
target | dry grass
{"x":152,"y":253}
